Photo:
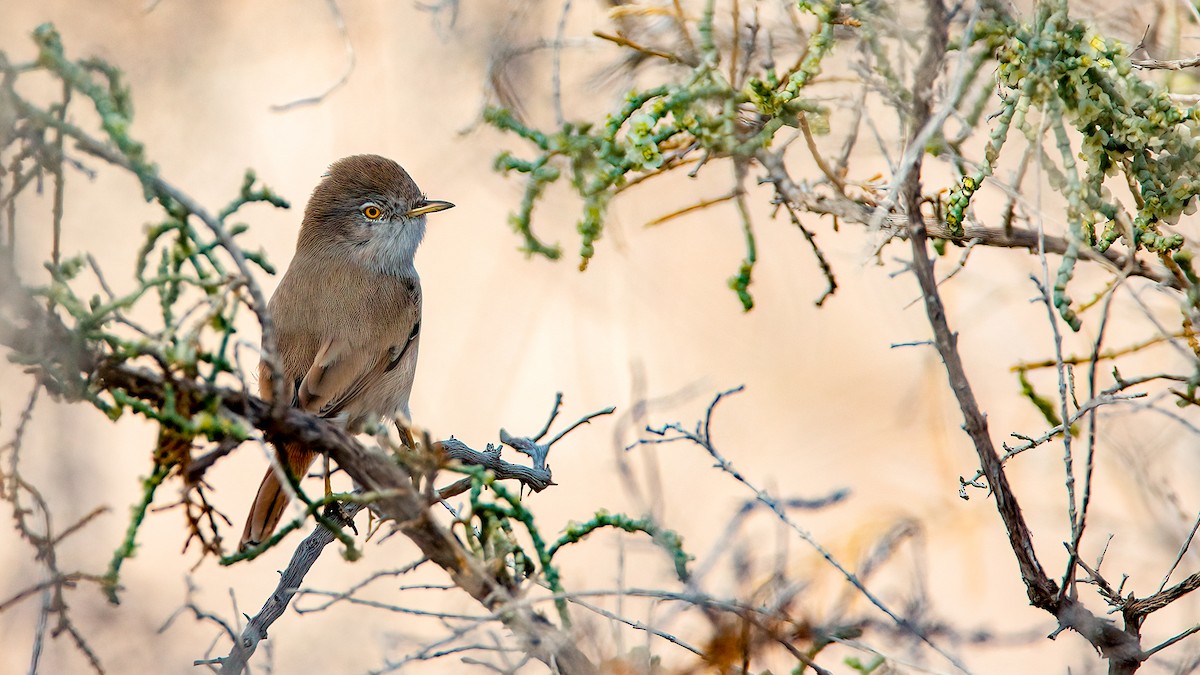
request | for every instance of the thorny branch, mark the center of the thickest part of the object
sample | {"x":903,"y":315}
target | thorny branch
{"x":302,"y":560}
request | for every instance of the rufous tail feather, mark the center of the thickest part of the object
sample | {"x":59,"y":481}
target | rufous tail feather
{"x":272,"y":498}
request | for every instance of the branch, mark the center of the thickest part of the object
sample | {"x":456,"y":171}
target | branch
{"x":289,"y":582}
{"x":702,"y":437}
{"x":1040,"y":588}
{"x":1120,"y":647}
{"x":848,"y":210}
{"x":536,"y":477}
{"x":1140,"y":608}
{"x":167,"y":191}
{"x":1155,"y":64}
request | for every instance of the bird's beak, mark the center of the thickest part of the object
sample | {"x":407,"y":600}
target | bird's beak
{"x":428,"y":206}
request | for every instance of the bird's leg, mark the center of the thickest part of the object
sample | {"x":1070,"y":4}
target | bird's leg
{"x":328,"y":484}
{"x":334,"y":509}
{"x":406,"y":438}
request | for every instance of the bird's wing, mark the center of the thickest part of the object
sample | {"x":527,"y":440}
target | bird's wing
{"x":337,"y":372}
{"x":340,"y":373}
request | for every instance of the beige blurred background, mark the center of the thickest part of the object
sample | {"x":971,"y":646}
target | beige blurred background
{"x":828,"y":403}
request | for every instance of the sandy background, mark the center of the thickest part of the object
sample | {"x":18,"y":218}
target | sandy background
{"x":828,"y":403}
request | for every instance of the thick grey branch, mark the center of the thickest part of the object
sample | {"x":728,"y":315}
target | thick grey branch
{"x":289,"y":582}
{"x":536,"y":477}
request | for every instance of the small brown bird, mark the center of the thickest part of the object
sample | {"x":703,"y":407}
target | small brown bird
{"x":347,"y":312}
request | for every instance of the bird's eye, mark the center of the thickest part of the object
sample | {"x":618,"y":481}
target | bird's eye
{"x":372,"y":212}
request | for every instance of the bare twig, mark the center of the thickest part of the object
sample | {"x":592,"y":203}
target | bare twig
{"x":556,"y":66}
{"x":626,"y":42}
{"x":339,"y":22}
{"x":1156,"y":64}
{"x":536,"y":478}
{"x":1187,"y":542}
{"x":539,"y":451}
{"x":702,"y":436}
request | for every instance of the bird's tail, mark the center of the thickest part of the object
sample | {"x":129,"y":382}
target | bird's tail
{"x":272,"y":499}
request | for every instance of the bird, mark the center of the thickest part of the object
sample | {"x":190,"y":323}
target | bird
{"x":347,"y":312}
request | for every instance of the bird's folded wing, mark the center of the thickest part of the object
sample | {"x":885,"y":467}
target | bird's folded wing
{"x":338,"y":373}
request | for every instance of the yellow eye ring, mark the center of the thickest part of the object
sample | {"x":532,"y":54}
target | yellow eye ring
{"x":372,"y":212}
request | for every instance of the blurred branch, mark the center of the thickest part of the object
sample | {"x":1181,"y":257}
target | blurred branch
{"x":702,"y":437}
{"x":626,"y":42}
{"x":26,"y":502}
{"x":1156,"y":64}
{"x":339,"y":22}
